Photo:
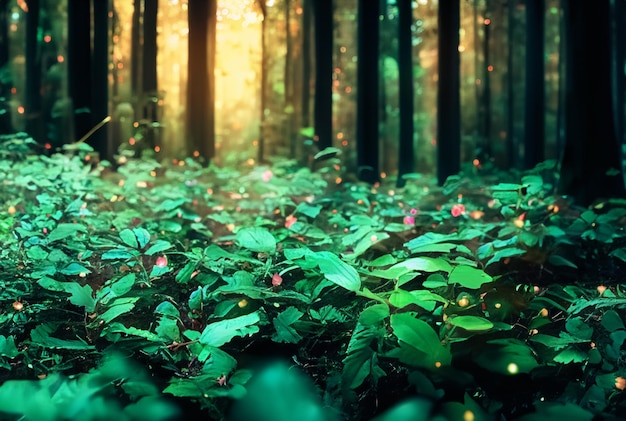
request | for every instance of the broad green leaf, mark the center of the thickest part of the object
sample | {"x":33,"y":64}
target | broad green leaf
{"x":612,"y":321}
{"x":128,"y":237}
{"x":7,"y":347}
{"x":471,"y":323}
{"x":40,"y":335}
{"x":506,"y":356}
{"x":423,"y":298}
{"x":469,"y":277}
{"x":256,"y":239}
{"x":167,"y":309}
{"x":123,"y":284}
{"x":570,"y":355}
{"x":309,"y":210}
{"x":283,"y":322}
{"x":143,"y":236}
{"x":504,"y":253}
{"x":119,"y":306}
{"x":384,"y":260}
{"x":424,"y":264}
{"x":338,"y":271}
{"x":361,"y":359}
{"x":422,"y":337}
{"x":80,"y":295}
{"x":368,"y":241}
{"x":116,"y":254}
{"x":558,"y":260}
{"x":218,"y":333}
{"x":74,"y":268}
{"x":63,"y":231}
{"x":167,"y":329}
{"x":158,"y":246}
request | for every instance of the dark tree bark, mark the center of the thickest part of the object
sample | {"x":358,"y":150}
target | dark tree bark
{"x":511,"y":141}
{"x":100,"y":138}
{"x":149,"y":97}
{"x":307,"y":27}
{"x":591,"y":167}
{"x":618,"y":14}
{"x":486,"y":152}
{"x":79,"y":64}
{"x":5,"y":80}
{"x":33,"y":74}
{"x":323,"y":109}
{"x":201,"y":78}
{"x":534,"y":111}
{"x":289,"y":82}
{"x":405,"y":65}
{"x":136,"y":50}
{"x":367,"y":90}
{"x":448,"y":94}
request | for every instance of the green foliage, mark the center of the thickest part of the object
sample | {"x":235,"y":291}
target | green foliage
{"x":372,"y":293}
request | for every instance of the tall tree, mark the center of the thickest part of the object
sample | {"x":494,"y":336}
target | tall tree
{"x":511,"y":141}
{"x":33,"y":73}
{"x":405,"y":65}
{"x":5,"y":80}
{"x":307,"y":28}
{"x":100,"y":80}
{"x":534,"y":111}
{"x":448,"y":93}
{"x":201,"y":79}
{"x":261,"y":149}
{"x":79,"y":64}
{"x":618,"y":66}
{"x":323,"y":109}
{"x":149,"y":94}
{"x":367,"y":131}
{"x":136,"y":49}
{"x":591,"y":166}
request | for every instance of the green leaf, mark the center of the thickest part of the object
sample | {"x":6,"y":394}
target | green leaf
{"x":123,"y":284}
{"x":471,"y":323}
{"x":338,"y":271}
{"x":422,"y":337}
{"x":158,"y":246}
{"x":612,"y":321}
{"x":570,"y":355}
{"x":80,"y":295}
{"x":218,"y":333}
{"x":63,"y":231}
{"x":167,"y":309}
{"x":119,"y":306}
{"x":74,"y":269}
{"x":374,"y":314}
{"x":143,"y":236}
{"x":469,"y":277}
{"x":116,"y":254}
{"x":256,"y":239}
{"x":504,"y":253}
{"x":128,"y":237}
{"x":40,"y":335}
{"x":7,"y":347}
{"x":361,"y":359}
{"x":506,"y":356}
{"x":308,"y":210}
{"x":283,"y":324}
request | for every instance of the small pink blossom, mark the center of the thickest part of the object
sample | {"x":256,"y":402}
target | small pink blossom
{"x":457,"y":210}
{"x":221,"y":380}
{"x":409,"y":220}
{"x":45,"y":230}
{"x":290,"y":220}
{"x":277,"y":280}
{"x":413,"y":211}
{"x":161,"y":261}
{"x":267,"y":175}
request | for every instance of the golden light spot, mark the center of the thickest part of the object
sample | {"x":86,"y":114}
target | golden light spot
{"x":82,"y":274}
{"x":17,"y":306}
{"x":340,"y":135}
{"x":113,"y":198}
{"x":490,"y":68}
{"x":243,"y":303}
{"x":544,"y":312}
{"x":157,"y":149}
{"x":338,"y":180}
{"x":463,"y":302}
{"x":487,"y":21}
{"x":518,"y":223}
{"x":601,"y":289}
{"x":20,"y":109}
{"x":468,"y":416}
{"x":196,"y":154}
{"x":120,"y":183}
{"x":11,"y":210}
{"x":620,"y":383}
{"x":512,"y":368}
{"x":476,"y":162}
{"x":497,"y":305}
{"x":153,"y":173}
{"x":438,"y":364}
{"x":141,"y":184}
{"x":533,"y":332}
{"x":209,"y":191}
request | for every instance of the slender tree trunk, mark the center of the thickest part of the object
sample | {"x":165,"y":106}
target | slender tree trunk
{"x":591,"y":167}
{"x":618,"y":15}
{"x":149,"y":96}
{"x":100,"y":139}
{"x":136,"y":53}
{"x":486,"y":150}
{"x":307,"y":27}
{"x":405,"y":64}
{"x":448,"y":94}
{"x":33,"y":74}
{"x":79,"y":64}
{"x":367,"y":90}
{"x":201,"y":79}
{"x":5,"y":86}
{"x":511,"y":144}
{"x":261,"y":148}
{"x":563,"y":65}
{"x":288,"y":81}
{"x":323,"y":113}
{"x":534,"y":123}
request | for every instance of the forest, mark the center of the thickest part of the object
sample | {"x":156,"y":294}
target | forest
{"x":312,"y":209}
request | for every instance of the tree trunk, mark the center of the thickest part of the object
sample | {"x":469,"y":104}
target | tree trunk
{"x":100,"y":139}
{"x":534,"y":123}
{"x":149,"y":94}
{"x":136,"y":52}
{"x":323,"y":113}
{"x":307,"y":11}
{"x":591,"y":167}
{"x":201,"y":78}
{"x":261,"y":147}
{"x":5,"y":85}
{"x":405,"y":65}
{"x":367,"y":90}
{"x":33,"y":74}
{"x":511,"y":141}
{"x":79,"y":64}
{"x":448,"y":93}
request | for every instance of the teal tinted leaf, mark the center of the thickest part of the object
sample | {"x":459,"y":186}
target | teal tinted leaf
{"x":560,"y":342}
{"x":128,"y":237}
{"x":63,"y":231}
{"x":338,"y":271}
{"x":558,"y":260}
{"x":158,"y":246}
{"x":384,"y":260}
{"x":120,"y":306}
{"x":327,"y":153}
{"x":74,"y":269}
{"x":159,"y":271}
{"x":421,"y":336}
{"x":256,"y":239}
{"x":218,"y":333}
{"x":167,"y":329}
{"x":167,"y":309}
{"x":469,"y":277}
{"x":123,"y":284}
{"x":366,"y":242}
{"x":80,"y":295}
{"x":612,"y":321}
{"x":116,"y":254}
{"x":361,"y":360}
{"x":424,"y":264}
{"x":504,"y":253}
{"x":116,"y":327}
{"x":436,"y":280}
{"x":196,"y":299}
{"x":309,"y":210}
{"x":578,"y":328}
{"x":7,"y":347}
{"x":285,"y":332}
{"x":570,"y":355}
{"x":143,"y":236}
{"x":40,"y":335}
{"x":471,"y":323}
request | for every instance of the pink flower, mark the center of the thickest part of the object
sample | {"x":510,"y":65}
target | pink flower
{"x":267,"y":175}
{"x":409,"y":220}
{"x":290,"y":220}
{"x":161,"y":261}
{"x":277,"y":280}
{"x":413,"y":211}
{"x":457,"y":210}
